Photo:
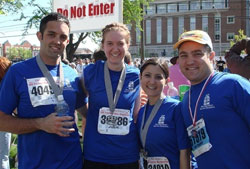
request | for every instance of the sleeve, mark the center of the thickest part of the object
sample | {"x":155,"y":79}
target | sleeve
{"x":8,"y":93}
{"x":242,"y":99}
{"x":81,"y":97}
{"x":181,"y":132}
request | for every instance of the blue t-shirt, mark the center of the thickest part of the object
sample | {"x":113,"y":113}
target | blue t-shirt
{"x":166,"y":134}
{"x":225,"y":108}
{"x":24,"y":88}
{"x":111,"y":149}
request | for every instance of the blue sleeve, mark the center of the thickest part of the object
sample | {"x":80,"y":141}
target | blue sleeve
{"x":181,"y":132}
{"x":81,"y":98}
{"x":8,"y":94}
{"x":241,"y":101}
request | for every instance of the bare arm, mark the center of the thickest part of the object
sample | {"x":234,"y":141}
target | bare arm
{"x":49,"y":124}
{"x":83,"y":111}
{"x":137,"y":107}
{"x":185,"y":159}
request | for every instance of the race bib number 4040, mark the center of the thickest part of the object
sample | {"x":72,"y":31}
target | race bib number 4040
{"x":116,"y":123}
{"x":40,"y":92}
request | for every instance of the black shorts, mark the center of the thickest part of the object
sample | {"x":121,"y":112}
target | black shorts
{"x":98,"y":165}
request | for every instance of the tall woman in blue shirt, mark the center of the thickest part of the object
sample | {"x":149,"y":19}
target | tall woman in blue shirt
{"x":111,"y":139}
{"x":160,"y":124}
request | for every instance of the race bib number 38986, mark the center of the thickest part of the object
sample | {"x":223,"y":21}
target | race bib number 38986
{"x":40,"y":92}
{"x":116,"y":123}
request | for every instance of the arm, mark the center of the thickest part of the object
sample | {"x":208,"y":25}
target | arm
{"x":83,"y":111}
{"x":49,"y":124}
{"x":137,"y":107}
{"x":185,"y":159}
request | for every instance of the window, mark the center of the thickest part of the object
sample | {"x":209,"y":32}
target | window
{"x":148,"y":31}
{"x":192,"y":23}
{"x":158,"y":30}
{"x":219,"y":4}
{"x":217,"y":27}
{"x":151,"y":10}
{"x":195,"y":5}
{"x":181,"y":25}
{"x":205,"y":23}
{"x":207,"y":4}
{"x":170,"y":30}
{"x":172,"y":8}
{"x":230,"y":36}
{"x":230,"y":19}
{"x":161,"y":8}
{"x":183,"y":6}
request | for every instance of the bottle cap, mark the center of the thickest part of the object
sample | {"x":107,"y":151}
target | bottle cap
{"x":171,"y":84}
{"x":60,"y":98}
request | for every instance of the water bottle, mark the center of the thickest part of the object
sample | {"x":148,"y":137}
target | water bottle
{"x":172,"y":91}
{"x":62,"y":109}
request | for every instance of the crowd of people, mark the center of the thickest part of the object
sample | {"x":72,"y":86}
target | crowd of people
{"x":128,"y":121}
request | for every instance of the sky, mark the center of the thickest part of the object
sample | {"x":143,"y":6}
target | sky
{"x":11,"y":28}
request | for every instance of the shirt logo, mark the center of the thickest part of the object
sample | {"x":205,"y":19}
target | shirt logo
{"x":161,"y":122}
{"x":206,"y":103}
{"x":130,"y":87}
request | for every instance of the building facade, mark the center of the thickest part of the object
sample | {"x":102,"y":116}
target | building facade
{"x":165,"y":20}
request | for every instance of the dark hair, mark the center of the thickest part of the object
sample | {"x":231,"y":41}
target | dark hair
{"x":99,"y":55}
{"x":156,"y":61}
{"x":128,"y":58}
{"x":52,"y":17}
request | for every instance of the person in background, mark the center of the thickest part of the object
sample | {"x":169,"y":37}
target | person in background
{"x":161,"y":118}
{"x":128,"y":58}
{"x":79,"y":66}
{"x":176,"y":76}
{"x":99,"y":55}
{"x":220,"y":65}
{"x":36,"y":88}
{"x":216,"y":109}
{"x":113,"y":87}
{"x":5,"y":137}
{"x":235,"y":62}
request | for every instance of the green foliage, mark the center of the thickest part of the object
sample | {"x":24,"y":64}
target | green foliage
{"x":13,"y":151}
{"x":7,"y":6}
{"x":19,"y":53}
{"x":238,"y":37}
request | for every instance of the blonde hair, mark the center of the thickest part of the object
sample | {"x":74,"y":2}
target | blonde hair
{"x":116,"y":27}
{"x":4,"y":66}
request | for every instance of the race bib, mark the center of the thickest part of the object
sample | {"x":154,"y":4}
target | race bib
{"x":40,"y":92}
{"x":116,"y":123}
{"x":158,"y":162}
{"x":199,"y":138}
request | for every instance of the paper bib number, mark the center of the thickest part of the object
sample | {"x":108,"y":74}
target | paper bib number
{"x":199,"y":138}
{"x":158,"y":163}
{"x":116,"y":124}
{"x":40,"y":92}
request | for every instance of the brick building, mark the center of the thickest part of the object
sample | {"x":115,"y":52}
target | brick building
{"x":25,"y":45}
{"x":165,"y":20}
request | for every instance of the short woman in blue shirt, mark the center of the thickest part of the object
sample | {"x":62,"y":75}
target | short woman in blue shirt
{"x":160,"y":124}
{"x":110,"y":138}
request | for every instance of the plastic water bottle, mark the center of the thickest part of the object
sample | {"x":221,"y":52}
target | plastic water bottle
{"x":61,"y":108}
{"x":172,"y":91}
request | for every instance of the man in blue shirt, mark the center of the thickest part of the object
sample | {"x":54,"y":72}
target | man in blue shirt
{"x":216,"y":109}
{"x":45,"y":140}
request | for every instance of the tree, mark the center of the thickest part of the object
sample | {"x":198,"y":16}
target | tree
{"x":132,"y":13}
{"x":7,"y":6}
{"x":238,"y":37}
{"x":19,"y":53}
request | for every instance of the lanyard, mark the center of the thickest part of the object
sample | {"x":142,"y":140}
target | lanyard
{"x":108,"y":86}
{"x":144,"y":130}
{"x":58,"y":90}
{"x":198,"y":100}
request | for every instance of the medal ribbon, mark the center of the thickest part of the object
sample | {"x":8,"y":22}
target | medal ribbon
{"x":58,"y":90}
{"x":112,"y":102}
{"x":198,"y":100}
